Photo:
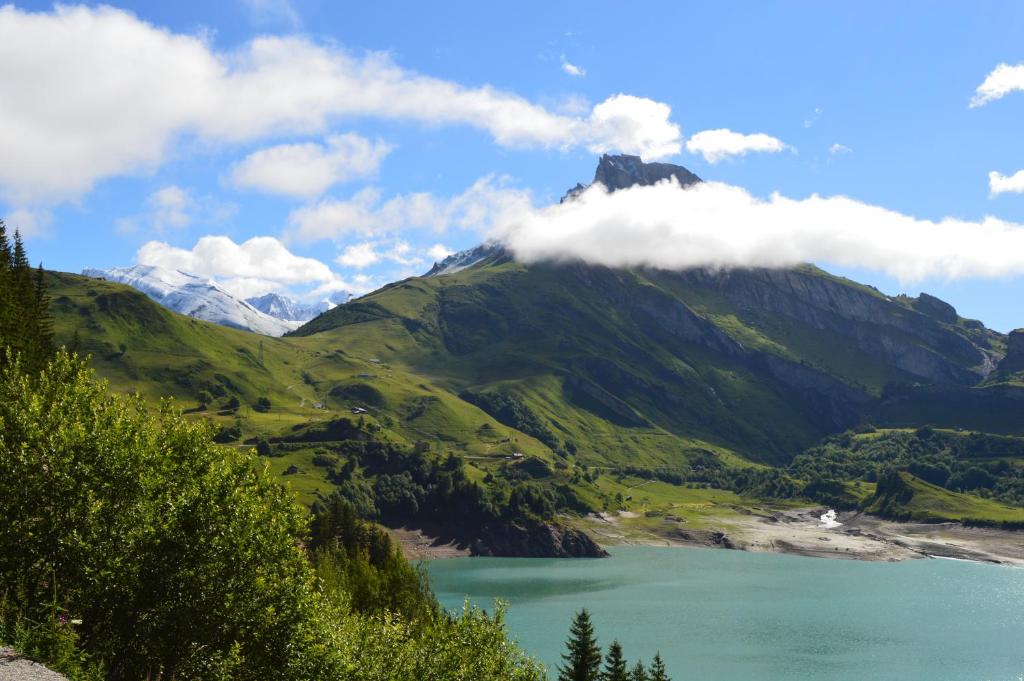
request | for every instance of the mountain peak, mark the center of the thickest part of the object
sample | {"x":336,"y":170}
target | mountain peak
{"x":621,"y":171}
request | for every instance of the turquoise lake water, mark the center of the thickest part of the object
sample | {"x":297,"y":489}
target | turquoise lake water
{"x":718,"y":615}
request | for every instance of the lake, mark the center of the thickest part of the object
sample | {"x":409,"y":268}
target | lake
{"x":718,"y":615}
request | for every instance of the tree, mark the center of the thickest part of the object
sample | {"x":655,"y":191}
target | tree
{"x":639,"y":673}
{"x":615,"y":664}
{"x":582,"y":662}
{"x":658,"y":669}
{"x":205,"y":397}
{"x":262,"y":404}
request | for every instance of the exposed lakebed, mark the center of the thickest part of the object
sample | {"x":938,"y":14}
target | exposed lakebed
{"x":729,"y":615}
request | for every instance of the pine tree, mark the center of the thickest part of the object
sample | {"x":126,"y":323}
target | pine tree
{"x":658,"y":669}
{"x":614,"y":664}
{"x":6,"y":301}
{"x":42,"y":344}
{"x":639,"y":672}
{"x":583,"y":659}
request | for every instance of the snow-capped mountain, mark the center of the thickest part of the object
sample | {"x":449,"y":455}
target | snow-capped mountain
{"x":196,"y":297}
{"x":289,"y":309}
{"x":463,"y":259}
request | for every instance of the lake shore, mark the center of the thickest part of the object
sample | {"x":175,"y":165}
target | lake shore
{"x":800,"y":531}
{"x":858,"y":536}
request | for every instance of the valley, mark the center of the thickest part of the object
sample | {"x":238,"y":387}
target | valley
{"x":705,"y":396}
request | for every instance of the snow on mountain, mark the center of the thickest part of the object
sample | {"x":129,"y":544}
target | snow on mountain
{"x":457,"y":262}
{"x":196,"y":297}
{"x":289,"y":309}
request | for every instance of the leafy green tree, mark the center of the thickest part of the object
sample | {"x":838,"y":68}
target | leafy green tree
{"x":639,"y":672}
{"x":174,"y":553}
{"x":262,"y":404}
{"x":658,"y":669}
{"x":615,"y":664}
{"x":582,"y":661}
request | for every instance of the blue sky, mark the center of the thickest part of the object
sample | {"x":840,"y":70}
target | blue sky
{"x":120,"y":136}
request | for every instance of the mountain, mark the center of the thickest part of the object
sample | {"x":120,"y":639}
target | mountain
{"x":195,"y":297}
{"x":586,"y":382}
{"x":622,"y":171}
{"x":289,"y":309}
{"x":761,"y":362}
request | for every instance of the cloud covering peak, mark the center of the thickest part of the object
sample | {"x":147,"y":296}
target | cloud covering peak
{"x":712,"y":224}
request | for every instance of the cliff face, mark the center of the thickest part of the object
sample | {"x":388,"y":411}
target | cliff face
{"x":536,"y":540}
{"x":919,"y":344}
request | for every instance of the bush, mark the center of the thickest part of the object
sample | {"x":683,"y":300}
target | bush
{"x":262,"y":405}
{"x":173,"y":552}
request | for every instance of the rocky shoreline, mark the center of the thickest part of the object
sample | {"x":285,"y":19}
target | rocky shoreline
{"x":857,"y":536}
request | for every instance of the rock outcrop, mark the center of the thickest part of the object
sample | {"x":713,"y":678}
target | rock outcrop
{"x":534,"y":539}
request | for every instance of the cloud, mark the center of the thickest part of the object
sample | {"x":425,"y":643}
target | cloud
{"x":813,"y":118}
{"x":838,"y":148}
{"x":716,"y":145}
{"x":359,"y":255}
{"x":256,"y":266}
{"x":439,"y":252}
{"x":308,"y":170}
{"x":174,"y":207}
{"x":571,"y":69}
{"x":267,"y":12}
{"x":1001,"y":184}
{"x":170,"y":207}
{"x":1003,"y":80}
{"x":94,"y":92}
{"x":717,"y":225}
{"x":488,"y":201}
{"x":30,"y":222}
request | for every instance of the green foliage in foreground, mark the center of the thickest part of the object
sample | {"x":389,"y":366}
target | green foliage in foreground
{"x":131,"y":542}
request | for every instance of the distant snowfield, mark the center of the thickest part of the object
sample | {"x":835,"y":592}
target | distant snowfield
{"x":196,"y":297}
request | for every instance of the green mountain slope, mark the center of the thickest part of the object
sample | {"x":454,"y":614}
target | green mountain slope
{"x":557,"y":373}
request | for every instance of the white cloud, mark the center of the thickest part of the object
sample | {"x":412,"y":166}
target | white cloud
{"x":174,"y":207}
{"x":254,"y":267}
{"x":487,"y":202}
{"x":402,"y":253}
{"x":92,"y":93}
{"x":266,"y":12}
{"x":716,"y":145}
{"x":29,"y":221}
{"x":359,"y":255}
{"x":308,"y":170}
{"x":838,"y":148}
{"x":813,"y":118}
{"x":1000,"y":184}
{"x":717,"y":225}
{"x":439,"y":252}
{"x":1003,"y":80}
{"x":571,"y":69}
{"x":170,"y":207}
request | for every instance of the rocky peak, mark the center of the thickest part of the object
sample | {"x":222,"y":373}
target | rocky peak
{"x":621,"y":171}
{"x":935,"y":308}
{"x":1014,"y":360}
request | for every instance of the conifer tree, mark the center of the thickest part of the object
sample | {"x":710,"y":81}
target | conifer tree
{"x":639,"y":672}
{"x":6,"y":300}
{"x":582,"y":662}
{"x":658,"y":669}
{"x":614,"y":664}
{"x":42,"y":342}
